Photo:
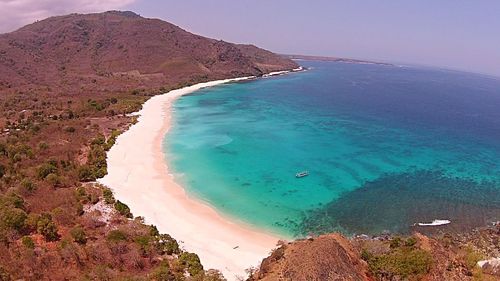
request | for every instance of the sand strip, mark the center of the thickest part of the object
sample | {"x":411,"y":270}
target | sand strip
{"x":138,"y":175}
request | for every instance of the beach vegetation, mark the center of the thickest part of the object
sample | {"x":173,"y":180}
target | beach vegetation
{"x":86,"y":173}
{"x":108,"y":196}
{"x":191,"y":262}
{"x":167,"y":244}
{"x":111,"y":140}
{"x":213,"y":275}
{"x":123,"y":209}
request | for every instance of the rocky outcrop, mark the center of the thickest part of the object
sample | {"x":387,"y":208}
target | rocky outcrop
{"x":328,"y":257}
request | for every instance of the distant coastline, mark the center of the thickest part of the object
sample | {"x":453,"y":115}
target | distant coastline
{"x":333,"y":59}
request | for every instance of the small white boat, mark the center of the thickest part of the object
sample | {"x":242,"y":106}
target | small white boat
{"x":302,"y":174}
{"x":434,"y":223}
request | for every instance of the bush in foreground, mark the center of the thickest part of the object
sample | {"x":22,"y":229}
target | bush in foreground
{"x":402,"y":262}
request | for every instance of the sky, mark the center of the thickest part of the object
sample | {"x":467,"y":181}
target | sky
{"x":455,"y":34}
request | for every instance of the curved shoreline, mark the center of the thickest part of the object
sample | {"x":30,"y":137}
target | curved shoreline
{"x":138,"y":175}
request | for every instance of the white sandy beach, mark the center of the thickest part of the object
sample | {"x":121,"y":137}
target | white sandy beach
{"x":139,"y":177}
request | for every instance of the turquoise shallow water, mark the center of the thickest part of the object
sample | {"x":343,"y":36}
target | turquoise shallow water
{"x":385,"y":147}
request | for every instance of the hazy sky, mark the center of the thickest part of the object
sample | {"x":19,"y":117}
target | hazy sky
{"x":447,"y":33}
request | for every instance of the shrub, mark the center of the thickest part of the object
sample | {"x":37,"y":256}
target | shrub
{"x":13,"y":200}
{"x":43,"y":145}
{"x":27,"y":185}
{"x":168,"y":245}
{"x":213,"y":275}
{"x":47,"y":228}
{"x":153,"y":231}
{"x":28,"y":242}
{"x":100,"y":172}
{"x":144,"y":242}
{"x":366,"y":255}
{"x":4,"y":275}
{"x":116,"y":235}
{"x":70,"y":129}
{"x":79,"y":209}
{"x":3,"y":149}
{"x":162,"y":272}
{"x":396,"y":242}
{"x":85,"y":173}
{"x":97,"y":156}
{"x":31,"y":222}
{"x":410,"y":242}
{"x":401,"y":263}
{"x":108,"y":196}
{"x":78,"y":235}
{"x":112,"y":139}
{"x":123,"y":209}
{"x":53,"y":180}
{"x":45,"y":169}
{"x":191,"y":262}
{"x":471,"y":257}
{"x":81,"y":193}
{"x":13,"y":218}
{"x":99,"y":140}
{"x":2,"y":170}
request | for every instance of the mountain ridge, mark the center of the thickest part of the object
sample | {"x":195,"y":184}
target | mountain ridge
{"x":116,"y":50}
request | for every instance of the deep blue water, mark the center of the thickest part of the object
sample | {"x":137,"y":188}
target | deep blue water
{"x":385,"y":146}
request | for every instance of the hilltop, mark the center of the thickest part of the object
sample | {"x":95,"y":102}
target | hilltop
{"x":115,"y":50}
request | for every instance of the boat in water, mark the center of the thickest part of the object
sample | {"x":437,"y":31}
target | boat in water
{"x":302,"y":174}
{"x":434,"y":223}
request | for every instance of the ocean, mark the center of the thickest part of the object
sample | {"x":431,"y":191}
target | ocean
{"x":385,"y":147}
